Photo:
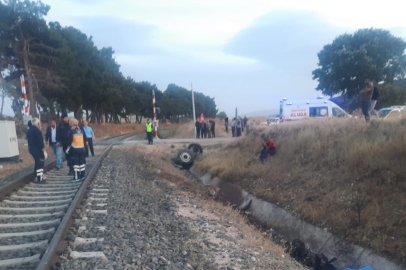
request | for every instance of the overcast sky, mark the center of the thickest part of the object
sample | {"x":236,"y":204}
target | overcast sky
{"x":246,"y":54}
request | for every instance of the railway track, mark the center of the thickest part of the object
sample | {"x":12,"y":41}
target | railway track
{"x":33,"y":218}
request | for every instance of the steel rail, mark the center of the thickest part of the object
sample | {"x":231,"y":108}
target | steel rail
{"x":46,"y":260}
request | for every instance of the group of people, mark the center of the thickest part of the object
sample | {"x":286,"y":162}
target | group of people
{"x":69,"y":137}
{"x":369,"y":96}
{"x":205,"y":129}
{"x":238,"y":125}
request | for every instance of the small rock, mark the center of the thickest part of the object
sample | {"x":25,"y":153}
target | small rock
{"x":163,"y":260}
{"x":81,"y":229}
{"x":253,"y":259}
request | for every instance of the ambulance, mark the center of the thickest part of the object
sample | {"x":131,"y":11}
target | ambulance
{"x":319,"y":107}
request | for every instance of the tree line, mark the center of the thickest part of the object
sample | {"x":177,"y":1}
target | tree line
{"x":368,"y":53}
{"x":65,"y":71}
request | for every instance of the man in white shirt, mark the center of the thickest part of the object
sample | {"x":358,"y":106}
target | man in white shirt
{"x":52,"y":136}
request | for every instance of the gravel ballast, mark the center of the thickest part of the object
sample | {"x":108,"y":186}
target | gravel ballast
{"x":152,"y":225}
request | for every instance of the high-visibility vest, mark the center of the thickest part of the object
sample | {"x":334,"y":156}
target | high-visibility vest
{"x":148,"y":127}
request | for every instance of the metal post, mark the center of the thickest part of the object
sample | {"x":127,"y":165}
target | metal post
{"x":153,"y":105}
{"x":194,"y":112}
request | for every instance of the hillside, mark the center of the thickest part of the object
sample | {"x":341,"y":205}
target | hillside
{"x":339,"y":174}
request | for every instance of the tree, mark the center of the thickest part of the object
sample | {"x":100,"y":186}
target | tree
{"x":351,"y":58}
{"x":65,"y":71}
{"x":24,"y":44}
{"x":390,"y":95}
{"x":221,"y":115}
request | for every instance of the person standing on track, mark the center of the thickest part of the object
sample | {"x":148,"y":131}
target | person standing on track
{"x":37,"y":149}
{"x":148,"y":129}
{"x":208,"y":129}
{"x":239,"y":127}
{"x":213,"y":128}
{"x":203,"y":129}
{"x":197,"y":125}
{"x":64,"y":129}
{"x":90,"y":137}
{"x":76,"y":149}
{"x":234,"y":127}
{"x":52,"y":136}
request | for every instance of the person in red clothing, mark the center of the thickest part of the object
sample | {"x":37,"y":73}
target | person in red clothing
{"x":268,"y":149}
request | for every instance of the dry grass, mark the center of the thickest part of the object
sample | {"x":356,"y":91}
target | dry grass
{"x":106,"y":130}
{"x":341,"y":174}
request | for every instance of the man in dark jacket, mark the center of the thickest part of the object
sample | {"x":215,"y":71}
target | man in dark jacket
{"x":213,"y":128}
{"x":37,"y":149}
{"x":197,"y":125}
{"x":52,"y":137}
{"x":63,"y":133}
{"x":203,"y":130}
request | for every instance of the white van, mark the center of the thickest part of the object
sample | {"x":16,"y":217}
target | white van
{"x":299,"y":109}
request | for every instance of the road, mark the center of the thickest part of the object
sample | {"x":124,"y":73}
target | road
{"x":156,"y":141}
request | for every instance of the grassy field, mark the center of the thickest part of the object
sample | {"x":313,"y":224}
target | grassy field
{"x":340,"y":174}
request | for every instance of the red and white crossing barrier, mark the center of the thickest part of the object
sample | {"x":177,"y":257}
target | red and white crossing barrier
{"x":25,"y":95}
{"x":153,"y":105}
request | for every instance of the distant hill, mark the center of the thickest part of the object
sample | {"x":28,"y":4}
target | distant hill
{"x":261,"y":113}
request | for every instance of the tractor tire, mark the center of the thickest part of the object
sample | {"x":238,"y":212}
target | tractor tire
{"x":186,"y":157}
{"x":196,"y":148}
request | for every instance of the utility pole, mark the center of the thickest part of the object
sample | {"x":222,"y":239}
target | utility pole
{"x":194,"y":112}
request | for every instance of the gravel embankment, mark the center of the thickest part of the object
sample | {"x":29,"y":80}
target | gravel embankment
{"x":152,"y":225}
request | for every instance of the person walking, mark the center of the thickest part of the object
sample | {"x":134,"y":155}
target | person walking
{"x":52,"y":137}
{"x":234,"y":127}
{"x":63,"y":131}
{"x":89,"y":137}
{"x":203,"y":129}
{"x":366,"y":96}
{"x":37,"y":149}
{"x":374,"y":99}
{"x":197,"y":125}
{"x":226,"y":123}
{"x":247,"y":126}
{"x":76,"y":149}
{"x":245,"y":121}
{"x":148,"y":129}
{"x":213,"y":128}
